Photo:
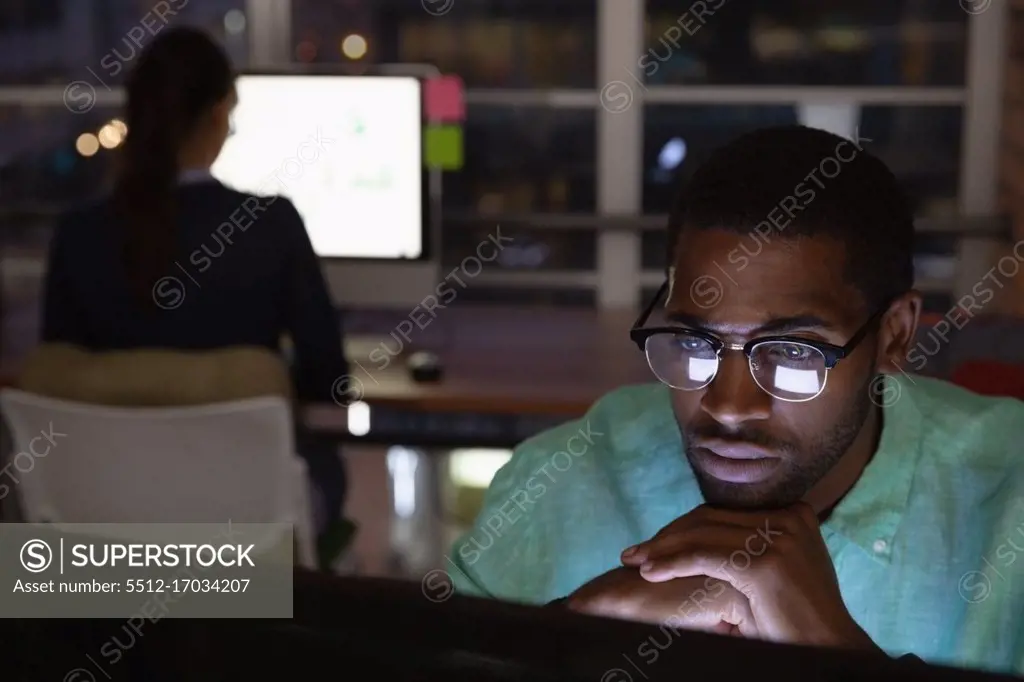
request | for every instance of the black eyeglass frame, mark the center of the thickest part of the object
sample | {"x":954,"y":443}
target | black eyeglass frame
{"x":832,"y":353}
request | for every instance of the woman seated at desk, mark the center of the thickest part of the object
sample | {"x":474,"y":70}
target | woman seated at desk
{"x":173,"y":259}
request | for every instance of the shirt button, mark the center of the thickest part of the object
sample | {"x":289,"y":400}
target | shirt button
{"x":880,"y":546}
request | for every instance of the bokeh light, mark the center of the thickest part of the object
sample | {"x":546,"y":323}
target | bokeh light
{"x":354,"y":46}
{"x":305,"y":51}
{"x":87,"y":144}
{"x":110,"y":136}
{"x":234,"y":22}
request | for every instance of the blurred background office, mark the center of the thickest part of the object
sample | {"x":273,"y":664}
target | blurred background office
{"x":581,"y":117}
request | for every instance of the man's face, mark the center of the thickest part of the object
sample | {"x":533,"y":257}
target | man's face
{"x":748,"y":449}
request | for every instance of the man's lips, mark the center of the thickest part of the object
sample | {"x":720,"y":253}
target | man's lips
{"x":740,"y":465}
{"x":734,"y":462}
{"x":735,"y":450}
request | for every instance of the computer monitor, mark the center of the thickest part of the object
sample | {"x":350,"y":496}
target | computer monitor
{"x":402,"y":631}
{"x":347,"y":150}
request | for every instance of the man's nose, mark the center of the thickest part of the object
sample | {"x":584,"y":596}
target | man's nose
{"x":733,"y":396}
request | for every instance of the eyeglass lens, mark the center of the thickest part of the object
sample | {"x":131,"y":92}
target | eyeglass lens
{"x":786,"y":370}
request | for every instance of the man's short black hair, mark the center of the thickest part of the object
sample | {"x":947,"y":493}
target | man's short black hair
{"x":795,"y":181}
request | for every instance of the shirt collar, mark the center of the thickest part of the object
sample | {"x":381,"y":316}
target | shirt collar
{"x":191,"y":176}
{"x":870,"y":513}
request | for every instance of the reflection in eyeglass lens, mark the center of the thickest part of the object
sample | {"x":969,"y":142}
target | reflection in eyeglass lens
{"x":785,"y":370}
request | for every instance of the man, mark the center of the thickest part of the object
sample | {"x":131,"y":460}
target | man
{"x":785,"y":479}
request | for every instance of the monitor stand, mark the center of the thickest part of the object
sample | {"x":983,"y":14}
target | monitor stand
{"x":381,"y":284}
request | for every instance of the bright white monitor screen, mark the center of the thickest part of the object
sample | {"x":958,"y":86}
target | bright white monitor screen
{"x":346,"y":150}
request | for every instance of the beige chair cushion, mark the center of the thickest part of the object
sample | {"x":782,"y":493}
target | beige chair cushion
{"x":154,"y":377}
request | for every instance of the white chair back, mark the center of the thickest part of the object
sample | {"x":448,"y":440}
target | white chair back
{"x":79,"y":463}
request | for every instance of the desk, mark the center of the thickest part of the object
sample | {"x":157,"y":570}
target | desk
{"x":508,"y":374}
{"x":505,"y":360}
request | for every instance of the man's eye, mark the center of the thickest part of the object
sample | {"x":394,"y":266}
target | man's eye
{"x":690,"y":343}
{"x":791,"y":352}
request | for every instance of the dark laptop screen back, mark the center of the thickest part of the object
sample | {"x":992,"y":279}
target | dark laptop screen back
{"x":388,"y":630}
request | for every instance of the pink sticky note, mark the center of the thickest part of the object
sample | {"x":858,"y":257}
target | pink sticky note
{"x":444,"y":100}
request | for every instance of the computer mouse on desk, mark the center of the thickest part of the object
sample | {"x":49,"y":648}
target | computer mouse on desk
{"x":424,"y":366}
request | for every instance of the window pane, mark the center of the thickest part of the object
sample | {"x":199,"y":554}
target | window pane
{"x":935,"y":254}
{"x":935,"y":259}
{"x":530,"y":249}
{"x":535,"y":296}
{"x":920,"y":144}
{"x":525,"y":160}
{"x":653,"y":251}
{"x":678,"y":139}
{"x":40,"y":165}
{"x":16,"y":15}
{"x":94,"y":43}
{"x":805,"y":42}
{"x":490,"y":43}
{"x":648,"y":293}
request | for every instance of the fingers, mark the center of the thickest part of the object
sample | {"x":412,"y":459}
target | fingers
{"x":631,"y":559}
{"x":718,"y":608}
{"x":806,"y":513}
{"x":637,"y":554}
{"x":700,"y":602}
{"x":724,"y":628}
{"x":711,"y":562}
{"x":761,"y":528}
{"x":711,"y":537}
{"x":675,"y":556}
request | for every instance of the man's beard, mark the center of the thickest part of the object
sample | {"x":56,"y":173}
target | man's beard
{"x":801,"y":468}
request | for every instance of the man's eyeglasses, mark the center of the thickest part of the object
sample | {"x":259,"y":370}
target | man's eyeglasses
{"x":789,"y":368}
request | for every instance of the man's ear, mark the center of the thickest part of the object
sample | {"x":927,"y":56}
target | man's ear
{"x":898,"y":331}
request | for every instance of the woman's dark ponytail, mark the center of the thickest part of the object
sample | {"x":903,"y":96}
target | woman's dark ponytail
{"x":179,"y":78}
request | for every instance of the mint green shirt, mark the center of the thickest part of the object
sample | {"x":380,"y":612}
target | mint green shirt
{"x":925,"y":544}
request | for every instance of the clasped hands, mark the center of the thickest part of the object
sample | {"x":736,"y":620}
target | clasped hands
{"x":764,"y":575}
